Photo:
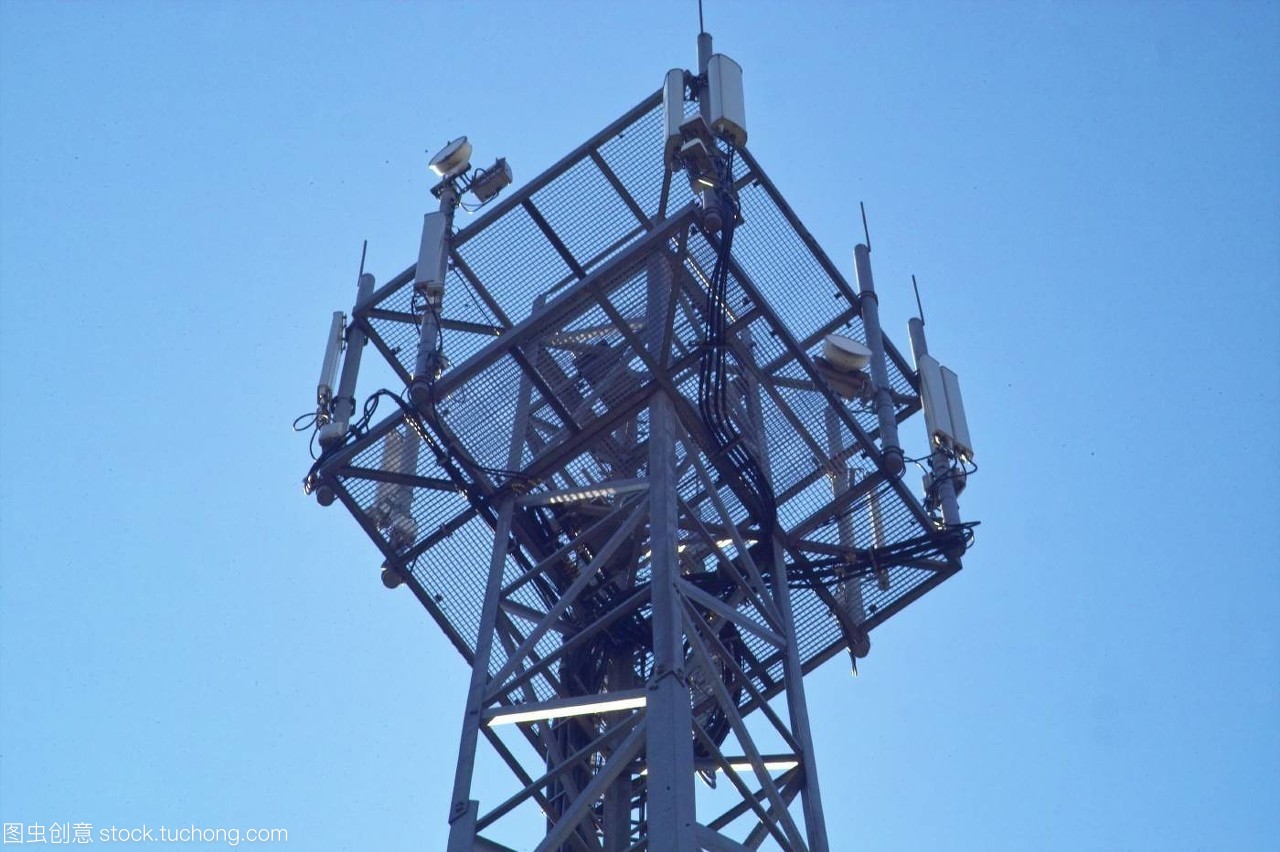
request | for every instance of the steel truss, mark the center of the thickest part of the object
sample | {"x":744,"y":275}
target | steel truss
{"x":626,"y":563}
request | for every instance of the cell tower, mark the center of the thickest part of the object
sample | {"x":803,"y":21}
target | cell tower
{"x":644,"y":473}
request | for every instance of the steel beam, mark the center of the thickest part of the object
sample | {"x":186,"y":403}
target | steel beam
{"x":669,"y":747}
{"x":463,"y":811}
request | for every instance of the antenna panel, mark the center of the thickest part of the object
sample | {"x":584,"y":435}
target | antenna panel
{"x":329,"y":369}
{"x":955,"y":411}
{"x":429,"y":274}
{"x":933,"y":395}
{"x":672,"y":112}
{"x":728,"y":108}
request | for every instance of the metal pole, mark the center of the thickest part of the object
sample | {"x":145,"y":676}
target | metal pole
{"x":893,"y":461}
{"x":669,"y":732}
{"x":462,"y":815}
{"x":798,"y":709}
{"x":915,"y":328}
{"x":616,"y":811}
{"x":345,"y":403}
{"x":427,"y":365}
{"x":793,"y":671}
{"x":704,"y":58}
{"x":850,"y":593}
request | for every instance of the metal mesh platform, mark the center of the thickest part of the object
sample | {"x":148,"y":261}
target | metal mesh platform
{"x":581,"y":242}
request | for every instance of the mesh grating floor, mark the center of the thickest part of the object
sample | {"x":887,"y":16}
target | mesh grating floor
{"x":589,"y":236}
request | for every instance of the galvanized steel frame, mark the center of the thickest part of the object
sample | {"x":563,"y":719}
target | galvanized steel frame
{"x":686,"y":621}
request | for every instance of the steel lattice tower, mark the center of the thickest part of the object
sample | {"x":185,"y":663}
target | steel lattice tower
{"x":636,"y":497}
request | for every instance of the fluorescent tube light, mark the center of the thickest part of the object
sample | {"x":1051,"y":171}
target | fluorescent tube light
{"x":771,"y":764}
{"x":561,"y":708}
{"x":587,"y":492}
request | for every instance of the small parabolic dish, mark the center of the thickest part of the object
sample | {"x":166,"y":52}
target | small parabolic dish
{"x":453,"y":158}
{"x":845,"y":353}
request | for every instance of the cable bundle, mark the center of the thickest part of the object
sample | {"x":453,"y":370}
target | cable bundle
{"x":866,"y":562}
{"x":712,"y":376}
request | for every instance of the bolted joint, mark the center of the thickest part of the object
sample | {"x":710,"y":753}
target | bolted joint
{"x":391,"y":578}
{"x":422,"y":395}
{"x":894,"y":461}
{"x":662,"y":672}
{"x":324,"y":492}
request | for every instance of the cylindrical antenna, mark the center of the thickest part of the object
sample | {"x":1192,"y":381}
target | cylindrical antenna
{"x":704,"y":60}
{"x":885,"y":413}
{"x":919,"y":346}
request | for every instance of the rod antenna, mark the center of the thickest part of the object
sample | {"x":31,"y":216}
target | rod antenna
{"x":363,"y":249}
{"x":865,"y":231}
{"x":919,"y":306}
{"x":701,"y":29}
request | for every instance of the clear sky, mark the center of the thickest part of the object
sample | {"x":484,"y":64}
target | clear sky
{"x":1089,"y":194}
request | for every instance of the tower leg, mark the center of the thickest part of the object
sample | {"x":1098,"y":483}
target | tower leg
{"x":797,"y":707}
{"x":670,"y":722}
{"x":682,"y":598}
{"x":462,"y":813}
{"x":669,"y":746}
{"x":798,"y":710}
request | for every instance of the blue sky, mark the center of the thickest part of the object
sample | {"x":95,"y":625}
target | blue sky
{"x":1088,"y":193}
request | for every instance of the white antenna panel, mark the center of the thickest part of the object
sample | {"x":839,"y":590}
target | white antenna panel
{"x":728,"y":109}
{"x":955,"y":411}
{"x":672,"y":112}
{"x":329,"y":369}
{"x":393,"y":505}
{"x":429,"y":274}
{"x":933,"y":395}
